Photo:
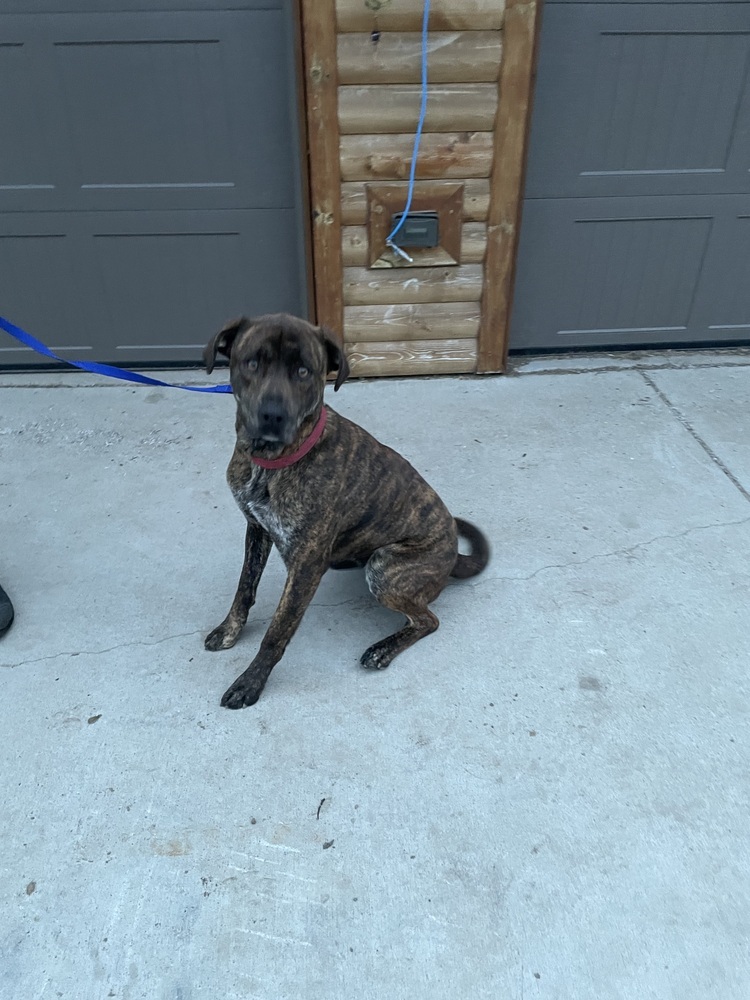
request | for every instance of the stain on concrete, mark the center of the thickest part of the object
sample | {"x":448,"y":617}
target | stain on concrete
{"x":170,"y":848}
{"x":590,"y":684}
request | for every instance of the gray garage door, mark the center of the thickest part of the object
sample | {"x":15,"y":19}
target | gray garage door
{"x":636,"y":226}
{"x":149,"y":173}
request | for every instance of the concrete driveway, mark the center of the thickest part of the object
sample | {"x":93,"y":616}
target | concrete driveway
{"x":548,"y":798}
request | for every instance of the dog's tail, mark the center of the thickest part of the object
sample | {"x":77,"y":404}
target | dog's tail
{"x":479,"y":556}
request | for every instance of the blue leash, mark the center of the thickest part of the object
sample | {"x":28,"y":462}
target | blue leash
{"x":98,"y":369}
{"x":417,"y":136}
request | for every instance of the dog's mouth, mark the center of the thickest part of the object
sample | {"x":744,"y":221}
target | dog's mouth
{"x":267,"y":445}
{"x":267,"y":438}
{"x":263,"y":438}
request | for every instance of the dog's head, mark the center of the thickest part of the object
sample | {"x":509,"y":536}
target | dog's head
{"x":278,"y":366}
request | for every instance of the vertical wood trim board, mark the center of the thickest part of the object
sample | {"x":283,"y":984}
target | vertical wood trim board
{"x":506,"y":181}
{"x":321,"y":89}
{"x":304,"y":145}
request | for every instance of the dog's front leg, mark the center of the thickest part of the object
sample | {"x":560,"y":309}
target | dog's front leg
{"x":257,"y":548}
{"x":304,"y":575}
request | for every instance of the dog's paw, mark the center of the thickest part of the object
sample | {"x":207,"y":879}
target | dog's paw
{"x":223,"y":636}
{"x":377,"y":657}
{"x":242,"y":693}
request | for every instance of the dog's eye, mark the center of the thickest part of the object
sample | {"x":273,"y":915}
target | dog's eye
{"x":302,"y":371}
{"x":252,"y":364}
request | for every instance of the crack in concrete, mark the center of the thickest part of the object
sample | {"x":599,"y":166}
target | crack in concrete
{"x":639,"y":365}
{"x":615,"y":552}
{"x":364,"y":600}
{"x":167,"y":638}
{"x":99,"y":652}
{"x":680,"y":416}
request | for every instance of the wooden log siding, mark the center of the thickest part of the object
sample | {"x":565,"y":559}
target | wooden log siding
{"x":406,"y":15}
{"x":413,"y":321}
{"x":383,"y":286}
{"x":395,"y":108}
{"x":426,"y":318}
{"x":452,"y":57}
{"x":423,"y":318}
{"x":354,"y":201}
{"x":414,"y":357}
{"x":449,"y":155}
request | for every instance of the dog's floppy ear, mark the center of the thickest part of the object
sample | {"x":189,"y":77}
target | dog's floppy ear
{"x":336,"y":356}
{"x":222,"y":341}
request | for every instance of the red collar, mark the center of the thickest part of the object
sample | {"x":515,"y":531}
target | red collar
{"x":307,"y":445}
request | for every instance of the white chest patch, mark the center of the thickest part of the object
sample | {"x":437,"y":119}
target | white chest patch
{"x":253,"y":499}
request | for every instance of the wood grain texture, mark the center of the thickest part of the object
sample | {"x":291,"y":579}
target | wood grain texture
{"x":473,"y":242}
{"x":363,"y":287}
{"x":301,"y":108}
{"x":395,"y":108}
{"x":506,"y":185}
{"x":406,"y":15}
{"x":354,"y":199}
{"x":417,"y":357}
{"x":441,"y":155}
{"x":453,"y":57}
{"x":321,"y":88}
{"x":354,"y":246}
{"x":414,"y":321}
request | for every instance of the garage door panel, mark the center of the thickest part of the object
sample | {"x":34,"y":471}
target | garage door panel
{"x":22,"y":157}
{"x":42,"y":274}
{"x":147,"y":110}
{"x":641,"y":99}
{"x":27,"y":125}
{"x":722,"y":303}
{"x":660,"y":107}
{"x":172,"y":287}
{"x":144,"y":112}
{"x":149,"y":174}
{"x":635,"y":219}
{"x":143,"y":287}
{"x":615,"y":272}
{"x":104,"y":6}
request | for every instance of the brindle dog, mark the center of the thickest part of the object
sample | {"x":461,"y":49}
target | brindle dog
{"x":347,"y":501}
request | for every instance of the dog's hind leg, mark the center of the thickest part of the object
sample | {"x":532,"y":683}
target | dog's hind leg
{"x":257,"y":548}
{"x":406,"y":581}
{"x":421,"y":621}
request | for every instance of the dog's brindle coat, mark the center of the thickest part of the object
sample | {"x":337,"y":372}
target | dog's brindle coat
{"x":350,"y":501}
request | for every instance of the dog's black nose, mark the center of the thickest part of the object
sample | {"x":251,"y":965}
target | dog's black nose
{"x":271,"y":417}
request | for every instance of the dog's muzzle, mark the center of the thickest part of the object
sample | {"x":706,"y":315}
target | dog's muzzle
{"x":272,"y":422}
{"x":267,"y":420}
